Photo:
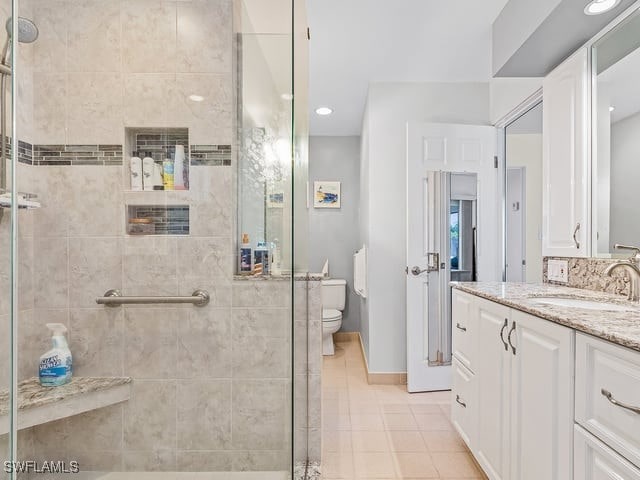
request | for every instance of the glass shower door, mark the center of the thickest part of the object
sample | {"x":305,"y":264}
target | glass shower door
{"x":180,"y":95}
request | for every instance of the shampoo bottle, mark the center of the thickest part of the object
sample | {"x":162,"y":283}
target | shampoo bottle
{"x":56,"y":364}
{"x":147,"y":171}
{"x":261,"y":264}
{"x":245,"y":255}
{"x":158,"y":183}
{"x":167,"y":174}
{"x":136,"y":172}
{"x":178,"y":168}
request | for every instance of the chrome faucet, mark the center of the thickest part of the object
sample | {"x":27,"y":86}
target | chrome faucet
{"x":632,"y":265}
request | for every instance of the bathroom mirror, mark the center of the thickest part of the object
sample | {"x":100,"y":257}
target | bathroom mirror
{"x":616,"y":146}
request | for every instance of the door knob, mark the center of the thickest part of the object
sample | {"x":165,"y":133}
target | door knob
{"x":417,"y":270}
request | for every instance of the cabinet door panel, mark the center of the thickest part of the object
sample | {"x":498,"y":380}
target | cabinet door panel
{"x":595,"y":461}
{"x":464,"y":405}
{"x":493,"y":363}
{"x":541,"y":399}
{"x":566,"y":134}
{"x":465,"y":320}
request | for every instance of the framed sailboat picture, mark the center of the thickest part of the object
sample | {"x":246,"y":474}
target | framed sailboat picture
{"x":326,"y":194}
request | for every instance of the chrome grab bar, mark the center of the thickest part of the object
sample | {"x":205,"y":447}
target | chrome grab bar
{"x":114,"y":298}
{"x":609,"y":396}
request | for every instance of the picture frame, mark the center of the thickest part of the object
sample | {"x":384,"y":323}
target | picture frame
{"x":327,"y":194}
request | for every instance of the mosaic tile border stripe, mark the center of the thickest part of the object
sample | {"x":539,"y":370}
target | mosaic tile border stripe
{"x":59,"y":155}
{"x":211,"y":155}
{"x":112,"y":155}
{"x":25,"y":151}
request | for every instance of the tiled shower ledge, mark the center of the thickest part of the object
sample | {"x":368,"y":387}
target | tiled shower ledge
{"x":38,"y":404}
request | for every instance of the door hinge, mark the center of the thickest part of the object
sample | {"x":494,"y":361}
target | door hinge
{"x":495,"y":161}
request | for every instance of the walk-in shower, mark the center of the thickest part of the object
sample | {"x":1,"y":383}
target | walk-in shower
{"x":27,"y":33}
{"x":165,"y":384}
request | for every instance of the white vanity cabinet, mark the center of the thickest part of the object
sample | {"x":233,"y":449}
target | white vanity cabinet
{"x":519,"y":408}
{"x":566,"y":159}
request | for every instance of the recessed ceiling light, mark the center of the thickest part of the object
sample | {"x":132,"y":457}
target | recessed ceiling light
{"x":596,"y":7}
{"x":196,"y":98}
{"x":612,"y":108}
{"x":323,"y":111}
{"x":287,"y":96}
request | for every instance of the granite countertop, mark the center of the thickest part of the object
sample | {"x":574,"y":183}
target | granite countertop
{"x":620,"y":327}
{"x":31,"y":394}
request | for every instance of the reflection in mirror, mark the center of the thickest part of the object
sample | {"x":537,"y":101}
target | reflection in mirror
{"x":264,"y":174}
{"x":524,"y":197}
{"x":617,"y":139}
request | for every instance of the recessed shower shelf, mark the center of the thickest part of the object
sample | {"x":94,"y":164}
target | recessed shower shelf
{"x":38,"y":404}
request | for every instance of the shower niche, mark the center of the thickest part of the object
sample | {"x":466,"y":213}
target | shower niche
{"x":160,"y":144}
{"x":157,"y":206}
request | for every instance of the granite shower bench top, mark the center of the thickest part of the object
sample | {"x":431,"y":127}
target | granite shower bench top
{"x":38,"y":404}
{"x":620,"y":327}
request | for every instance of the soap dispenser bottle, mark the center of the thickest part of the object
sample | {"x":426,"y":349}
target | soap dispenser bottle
{"x":56,"y":365}
{"x":245,"y":255}
{"x":147,"y":171}
{"x":136,"y":172}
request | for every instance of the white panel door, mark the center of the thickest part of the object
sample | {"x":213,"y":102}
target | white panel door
{"x":566,"y":159}
{"x":493,"y":372}
{"x":443,"y":148}
{"x":516,"y":224}
{"x":541,"y":398}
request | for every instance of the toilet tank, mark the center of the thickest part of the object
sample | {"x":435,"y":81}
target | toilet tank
{"x":334,"y":293}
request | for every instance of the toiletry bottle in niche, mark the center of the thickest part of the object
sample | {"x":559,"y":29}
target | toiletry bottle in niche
{"x":158,"y":183}
{"x":245,"y":255}
{"x":276,"y":268}
{"x":56,"y":365}
{"x":178,"y":168}
{"x":136,"y":172}
{"x":147,"y":171}
{"x":167,"y":174}
{"x":261,"y":259}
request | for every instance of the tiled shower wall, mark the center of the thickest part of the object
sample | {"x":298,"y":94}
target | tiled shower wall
{"x":211,"y":387}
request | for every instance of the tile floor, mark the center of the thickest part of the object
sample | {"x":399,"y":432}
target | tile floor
{"x":381,"y":431}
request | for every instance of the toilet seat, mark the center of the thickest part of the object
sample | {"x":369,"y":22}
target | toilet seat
{"x":331,"y":315}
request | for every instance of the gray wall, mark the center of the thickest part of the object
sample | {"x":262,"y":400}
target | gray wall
{"x":625,"y":175}
{"x":334,"y":233}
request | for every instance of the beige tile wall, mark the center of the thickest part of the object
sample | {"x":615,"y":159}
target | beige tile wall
{"x":101,"y":66}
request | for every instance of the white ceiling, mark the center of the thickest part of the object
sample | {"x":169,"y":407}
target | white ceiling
{"x":355,"y":42}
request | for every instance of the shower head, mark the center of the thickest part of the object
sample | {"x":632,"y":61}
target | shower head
{"x":27,"y":30}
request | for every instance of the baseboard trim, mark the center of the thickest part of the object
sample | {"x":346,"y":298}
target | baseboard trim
{"x":373,"y":378}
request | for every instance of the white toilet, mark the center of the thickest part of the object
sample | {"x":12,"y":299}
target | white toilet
{"x":333,"y":299}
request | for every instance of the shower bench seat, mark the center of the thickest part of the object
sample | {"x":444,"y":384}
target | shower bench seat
{"x":38,"y":404}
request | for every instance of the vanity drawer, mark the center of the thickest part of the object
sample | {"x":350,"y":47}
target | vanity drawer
{"x":464,"y":403}
{"x":607,"y":373}
{"x":464,"y":317}
{"x":593,"y":460}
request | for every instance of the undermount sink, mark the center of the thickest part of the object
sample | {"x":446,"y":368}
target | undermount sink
{"x":580,"y":303}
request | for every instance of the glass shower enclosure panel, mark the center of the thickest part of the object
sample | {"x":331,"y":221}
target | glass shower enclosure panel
{"x":128,"y":129}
